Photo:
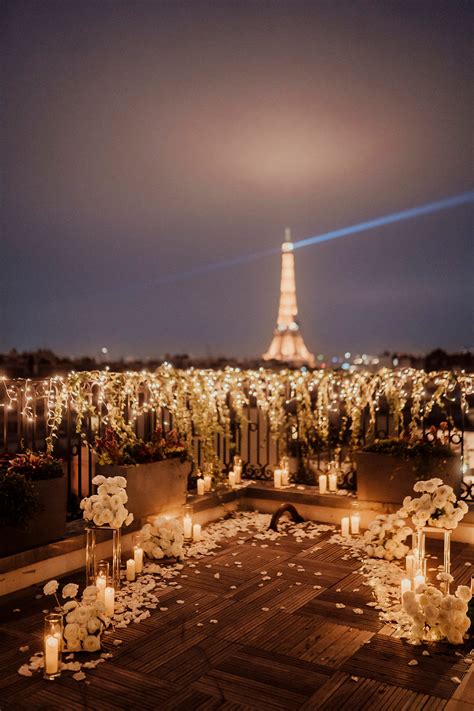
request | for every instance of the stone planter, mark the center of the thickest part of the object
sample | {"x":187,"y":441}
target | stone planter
{"x":46,"y":526}
{"x":156,"y":488}
{"x":388,"y":479}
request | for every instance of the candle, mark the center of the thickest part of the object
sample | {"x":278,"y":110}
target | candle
{"x":109,"y":599}
{"x":419,"y":580}
{"x":277,"y":477}
{"x":285,"y":477}
{"x":232,"y":479}
{"x":100,"y":583}
{"x":51,"y":655}
{"x":345,"y":526}
{"x":323,"y":483}
{"x":197,"y":532}
{"x":410,"y":565}
{"x":332,"y":482}
{"x":188,"y":525}
{"x":138,"y":558}
{"x":201,"y":487}
{"x":405,"y":585}
{"x":472,"y":585}
{"x":207,"y":482}
{"x":130,"y":570}
{"x":238,"y":473}
{"x":355,"y":524}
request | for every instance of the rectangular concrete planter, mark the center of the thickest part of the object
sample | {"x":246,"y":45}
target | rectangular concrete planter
{"x":387,"y":479}
{"x":156,"y":488}
{"x":46,"y":526}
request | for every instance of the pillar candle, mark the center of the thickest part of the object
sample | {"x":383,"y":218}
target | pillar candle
{"x":109,"y":598}
{"x":355,"y":524}
{"x":197,"y":532}
{"x":323,"y":483}
{"x":130,"y":570}
{"x":410,"y":565}
{"x":332,"y":482}
{"x":232,"y":479}
{"x":138,"y":558}
{"x":472,"y":585}
{"x":345,"y":526}
{"x":285,"y":477}
{"x":238,"y":473}
{"x":419,"y":580}
{"x":51,"y":650}
{"x":201,"y":487}
{"x":188,"y":526}
{"x":207,"y":482}
{"x":100,"y":583}
{"x":277,"y":477}
{"x":405,"y":585}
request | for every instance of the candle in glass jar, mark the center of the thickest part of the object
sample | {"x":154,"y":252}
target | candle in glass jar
{"x":277,"y":478}
{"x":405,"y":585}
{"x":51,"y":654}
{"x":345,"y":526}
{"x":332,"y":482}
{"x":355,"y":524}
{"x":197,"y":532}
{"x":100,"y":583}
{"x":188,"y":526}
{"x":138,"y":558}
{"x":207,"y":482}
{"x":323,"y":483}
{"x":419,"y":580}
{"x":238,"y":473}
{"x":130,"y":570}
{"x":410,"y":565}
{"x":201,"y":487}
{"x":232,"y":479}
{"x":285,"y":477}
{"x":109,"y":599}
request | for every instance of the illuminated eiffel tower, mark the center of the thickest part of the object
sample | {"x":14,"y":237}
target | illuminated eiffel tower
{"x":287,"y":344}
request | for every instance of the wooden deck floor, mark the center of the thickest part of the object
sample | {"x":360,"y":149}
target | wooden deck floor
{"x":277,"y":644}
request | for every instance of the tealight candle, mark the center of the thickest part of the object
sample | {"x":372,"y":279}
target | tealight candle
{"x":130,"y":570}
{"x":323,"y":483}
{"x":332,"y":482}
{"x":277,"y":478}
{"x":188,"y":525}
{"x":197,"y":532}
{"x":232,"y":479}
{"x":138,"y":558}
{"x":355,"y":524}
{"x":109,"y":599}
{"x":345,"y":526}
{"x":51,"y":654}
{"x":405,"y":585}
{"x":201,"y":487}
{"x":207,"y":482}
{"x":419,"y":580}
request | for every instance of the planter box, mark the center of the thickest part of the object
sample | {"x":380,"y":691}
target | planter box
{"x":387,"y":479}
{"x":156,"y":488}
{"x":46,"y":526}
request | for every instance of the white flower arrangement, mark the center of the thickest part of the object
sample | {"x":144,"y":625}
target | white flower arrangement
{"x":107,"y":506}
{"x":433,"y":616}
{"x":163,"y":539}
{"x":385,"y":537}
{"x":437,"y":506}
{"x":84,"y":619}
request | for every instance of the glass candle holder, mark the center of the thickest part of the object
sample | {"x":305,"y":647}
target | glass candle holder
{"x":237,"y":460}
{"x":137,"y":541}
{"x":53,"y":644}
{"x":91,"y":564}
{"x":188,"y":521}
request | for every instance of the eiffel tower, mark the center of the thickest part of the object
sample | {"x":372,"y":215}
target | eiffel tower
{"x":287,"y":344}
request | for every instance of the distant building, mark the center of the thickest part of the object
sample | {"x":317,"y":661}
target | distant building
{"x":287,"y":345}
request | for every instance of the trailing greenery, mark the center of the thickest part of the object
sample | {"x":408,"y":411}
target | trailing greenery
{"x":19,"y":500}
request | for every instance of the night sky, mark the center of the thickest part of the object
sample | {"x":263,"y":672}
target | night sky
{"x":142,"y":140}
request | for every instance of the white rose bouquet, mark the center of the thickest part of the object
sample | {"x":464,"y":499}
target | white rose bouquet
{"x":107,"y":506}
{"x":84,"y":619}
{"x":385,"y":537}
{"x":437,"y":506}
{"x":433,"y":616}
{"x":163,"y":539}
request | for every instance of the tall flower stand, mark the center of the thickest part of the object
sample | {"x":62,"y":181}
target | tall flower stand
{"x":91,"y":557}
{"x":421,"y":544}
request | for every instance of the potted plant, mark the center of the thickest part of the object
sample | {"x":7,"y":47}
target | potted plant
{"x":156,"y":470}
{"x":387,"y":469}
{"x":32,"y":501}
